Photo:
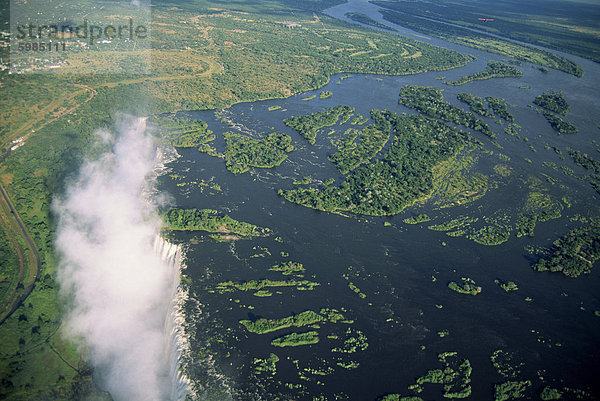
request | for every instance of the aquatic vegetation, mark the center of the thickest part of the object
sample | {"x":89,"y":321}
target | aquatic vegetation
{"x":494,"y":69}
{"x":500,"y":109}
{"x":325,"y":95}
{"x":559,"y":125}
{"x":303,"y":181}
{"x":296,"y":339}
{"x":553,"y":101}
{"x":398,"y":397}
{"x":355,"y":342}
{"x":267,"y":365}
{"x":289,"y":268}
{"x":502,"y":170}
{"x":510,"y":390}
{"x":351,"y":154}
{"x":420,"y":218}
{"x":505,"y":365}
{"x":455,"y":183}
{"x":243,"y":152}
{"x":211,"y":221}
{"x":549,"y":393}
{"x":263,"y":326}
{"x":430,"y":101}
{"x":467,"y":287}
{"x":476,"y":104}
{"x":273,"y":108}
{"x":457,"y":223}
{"x":263,"y":293}
{"x":354,"y":288}
{"x":308,"y":126}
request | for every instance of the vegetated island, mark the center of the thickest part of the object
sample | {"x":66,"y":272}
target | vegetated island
{"x":467,"y":287}
{"x":296,"y":339}
{"x":573,"y":254}
{"x":306,"y":318}
{"x":183,"y":132}
{"x":430,"y":101}
{"x":553,"y":101}
{"x":558,"y":124}
{"x":401,"y":177}
{"x":308,"y":125}
{"x":476,"y":104}
{"x":373,"y":137}
{"x":479,"y":40}
{"x":212,"y":221}
{"x":455,"y":376}
{"x":498,"y":106}
{"x":243,"y":152}
{"x":494,"y":69}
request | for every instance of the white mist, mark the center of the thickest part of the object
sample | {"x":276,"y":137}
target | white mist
{"x":118,"y":274}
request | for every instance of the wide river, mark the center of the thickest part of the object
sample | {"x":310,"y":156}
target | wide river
{"x":547,"y":329}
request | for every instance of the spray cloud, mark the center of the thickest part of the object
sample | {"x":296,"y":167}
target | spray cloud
{"x":120,"y":286}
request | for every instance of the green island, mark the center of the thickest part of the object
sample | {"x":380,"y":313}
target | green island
{"x":365,"y":19}
{"x":296,"y":339}
{"x":289,"y":268}
{"x":183,"y":132}
{"x":420,"y":218}
{"x":258,"y":285}
{"x":510,"y":390}
{"x":574,"y":253}
{"x":325,"y":94}
{"x":373,"y":137}
{"x":507,"y":287}
{"x":586,"y":161}
{"x":357,"y":290}
{"x":549,"y":393}
{"x":558,"y":124}
{"x":477,"y":40}
{"x":553,"y":101}
{"x":467,"y":286}
{"x":400,"y":178}
{"x":243,"y":152}
{"x":263,"y":326}
{"x":455,"y":376}
{"x":494,"y":69}
{"x":499,"y":108}
{"x":308,"y":126}
{"x":430,"y":101}
{"x":476,"y":104}
{"x":212,"y":221}
{"x":398,"y":397}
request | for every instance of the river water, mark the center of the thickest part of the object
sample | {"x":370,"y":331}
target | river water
{"x":548,"y":326}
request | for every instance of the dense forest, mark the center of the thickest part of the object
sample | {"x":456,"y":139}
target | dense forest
{"x":388,"y":185}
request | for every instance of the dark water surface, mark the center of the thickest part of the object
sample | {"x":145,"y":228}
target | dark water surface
{"x":402,"y":269}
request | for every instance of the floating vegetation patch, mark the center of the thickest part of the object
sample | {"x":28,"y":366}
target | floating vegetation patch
{"x":289,"y":268}
{"x":267,"y":365}
{"x":511,"y":390}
